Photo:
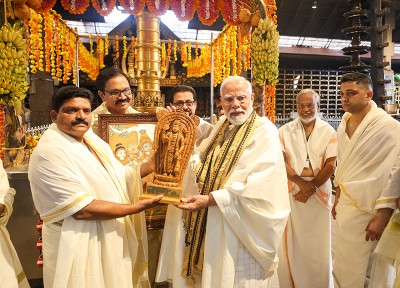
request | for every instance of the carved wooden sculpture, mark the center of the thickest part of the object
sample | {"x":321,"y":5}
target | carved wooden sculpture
{"x":174,"y":139}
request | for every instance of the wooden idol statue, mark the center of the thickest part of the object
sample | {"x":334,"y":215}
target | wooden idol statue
{"x":174,"y":139}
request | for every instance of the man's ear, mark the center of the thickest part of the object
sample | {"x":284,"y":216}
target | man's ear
{"x":252,"y":96}
{"x":370,"y":94}
{"x":53,"y":115}
{"x":101,"y":95}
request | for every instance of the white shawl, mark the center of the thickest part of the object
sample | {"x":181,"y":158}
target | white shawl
{"x":321,"y":145}
{"x":367,"y":160}
{"x":65,"y":177}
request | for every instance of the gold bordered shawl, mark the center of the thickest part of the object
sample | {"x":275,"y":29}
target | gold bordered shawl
{"x":217,"y":163}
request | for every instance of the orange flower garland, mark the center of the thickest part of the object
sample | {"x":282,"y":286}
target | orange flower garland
{"x":189,"y":51}
{"x":101,"y":53}
{"x":133,"y":7}
{"x":79,"y":7}
{"x":116,"y":42}
{"x":270,"y":90}
{"x":35,"y":42}
{"x":169,"y":50}
{"x":105,"y":7}
{"x":48,"y":35}
{"x":183,"y":54}
{"x":106,"y":45}
{"x":157,"y":7}
{"x":91,"y":43}
{"x":183,"y":9}
{"x":163,"y":57}
{"x":175,"y":50}
{"x":207,"y":11}
{"x":269,"y":102}
{"x":124,"y":45}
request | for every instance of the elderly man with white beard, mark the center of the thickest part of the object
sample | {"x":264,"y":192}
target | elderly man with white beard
{"x":236,"y":202}
{"x":309,"y":148}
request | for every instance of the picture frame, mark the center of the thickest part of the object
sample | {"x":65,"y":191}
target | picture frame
{"x":131,"y":138}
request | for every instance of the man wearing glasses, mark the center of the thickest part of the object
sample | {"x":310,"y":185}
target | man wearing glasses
{"x":309,"y":148}
{"x":184,"y":98}
{"x":113,"y":88}
{"x":368,"y":158}
{"x":236,"y":203}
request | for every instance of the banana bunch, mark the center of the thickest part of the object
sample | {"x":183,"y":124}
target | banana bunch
{"x":265,"y":52}
{"x":13,"y":64}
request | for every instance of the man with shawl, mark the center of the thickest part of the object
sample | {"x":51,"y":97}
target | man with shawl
{"x":87,"y":200}
{"x":236,"y":202}
{"x":309,"y":147}
{"x":368,"y":155}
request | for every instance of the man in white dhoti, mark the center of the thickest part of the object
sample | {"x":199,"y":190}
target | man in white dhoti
{"x":184,"y":97}
{"x":235,"y":216}
{"x":11,"y":272}
{"x":87,"y":199}
{"x":113,"y":88}
{"x":368,"y":154}
{"x":309,"y":146}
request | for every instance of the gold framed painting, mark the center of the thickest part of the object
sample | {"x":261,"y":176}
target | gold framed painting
{"x":131,"y":138}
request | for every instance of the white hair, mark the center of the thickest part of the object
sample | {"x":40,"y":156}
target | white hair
{"x":235,"y":78}
{"x":306,"y":91}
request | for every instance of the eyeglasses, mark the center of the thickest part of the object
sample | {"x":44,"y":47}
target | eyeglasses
{"x":180,"y":104}
{"x":228,"y":99}
{"x":116,"y":93}
{"x":309,"y":106}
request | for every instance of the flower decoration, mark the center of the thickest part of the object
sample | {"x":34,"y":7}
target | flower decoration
{"x":183,"y":9}
{"x":207,"y":11}
{"x":104,"y":7}
{"x":175,"y":47}
{"x":91,"y":43}
{"x":183,"y":54}
{"x":116,"y":43}
{"x":158,"y":7}
{"x":48,"y":37}
{"x":269,"y":101}
{"x":169,"y":50}
{"x":163,"y":57}
{"x":124,"y":45}
{"x":133,"y":7}
{"x":46,"y":6}
{"x":106,"y":44}
{"x":75,"y":6}
{"x":230,"y":11}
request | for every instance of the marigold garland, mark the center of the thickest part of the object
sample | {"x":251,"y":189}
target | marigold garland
{"x":183,"y":54}
{"x":189,"y":51}
{"x":106,"y":44}
{"x":124,"y":45}
{"x":163,"y":57}
{"x":269,"y":102}
{"x":207,"y":11}
{"x":105,"y":7}
{"x":133,"y":7}
{"x":158,"y":7}
{"x":175,"y":47}
{"x":183,"y":9}
{"x":91,"y":43}
{"x":35,"y":42}
{"x":116,"y":43}
{"x":48,"y":36}
{"x":79,"y":7}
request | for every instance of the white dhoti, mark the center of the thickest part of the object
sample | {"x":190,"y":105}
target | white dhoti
{"x":306,"y":237}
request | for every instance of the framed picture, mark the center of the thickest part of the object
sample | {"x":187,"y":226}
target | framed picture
{"x":131,"y":138}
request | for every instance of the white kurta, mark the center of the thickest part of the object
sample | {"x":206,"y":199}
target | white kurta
{"x":11,"y":272}
{"x":250,"y":216}
{"x":305,"y":253}
{"x":65,"y":177}
{"x":365,"y":165}
{"x":102,"y":109}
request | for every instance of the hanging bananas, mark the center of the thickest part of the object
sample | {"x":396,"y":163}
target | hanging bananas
{"x":265,"y":52}
{"x":13,"y":64}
